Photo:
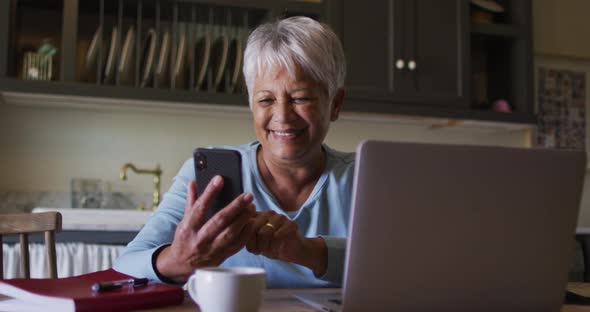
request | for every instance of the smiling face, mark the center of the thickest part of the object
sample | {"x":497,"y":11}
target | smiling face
{"x":291,"y":115}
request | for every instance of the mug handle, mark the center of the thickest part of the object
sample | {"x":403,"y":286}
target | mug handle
{"x":192,"y":290}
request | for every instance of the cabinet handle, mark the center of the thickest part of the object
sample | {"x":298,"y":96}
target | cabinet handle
{"x":412,"y":65}
{"x":399,"y":64}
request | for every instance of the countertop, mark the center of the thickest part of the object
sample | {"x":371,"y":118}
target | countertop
{"x":115,"y":220}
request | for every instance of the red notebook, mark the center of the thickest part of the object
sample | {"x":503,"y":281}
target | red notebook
{"x":76,"y":294}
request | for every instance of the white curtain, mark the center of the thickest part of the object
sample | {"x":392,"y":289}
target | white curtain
{"x":72,"y":259}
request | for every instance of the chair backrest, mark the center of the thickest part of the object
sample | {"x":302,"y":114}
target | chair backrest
{"x":24,"y":224}
{"x":583,"y":238}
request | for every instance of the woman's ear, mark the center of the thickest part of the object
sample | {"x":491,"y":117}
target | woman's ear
{"x":336,"y":104}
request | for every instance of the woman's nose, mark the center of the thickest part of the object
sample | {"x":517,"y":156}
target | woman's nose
{"x":284,"y":112}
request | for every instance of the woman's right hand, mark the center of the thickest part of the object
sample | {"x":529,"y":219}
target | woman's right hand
{"x":198,"y":242}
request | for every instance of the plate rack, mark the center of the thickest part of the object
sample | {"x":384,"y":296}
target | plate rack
{"x":164,"y":44}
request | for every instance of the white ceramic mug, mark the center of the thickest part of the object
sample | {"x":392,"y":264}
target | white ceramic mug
{"x":227,"y":289}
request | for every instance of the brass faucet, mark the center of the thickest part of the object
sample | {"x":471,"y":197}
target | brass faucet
{"x":157,"y":172}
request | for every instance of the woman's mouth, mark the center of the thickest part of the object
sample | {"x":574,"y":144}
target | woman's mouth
{"x":286,"y":134}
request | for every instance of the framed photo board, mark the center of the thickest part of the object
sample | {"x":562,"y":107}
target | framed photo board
{"x":562,"y":102}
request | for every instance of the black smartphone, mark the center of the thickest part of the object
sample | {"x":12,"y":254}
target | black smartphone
{"x":226,"y":163}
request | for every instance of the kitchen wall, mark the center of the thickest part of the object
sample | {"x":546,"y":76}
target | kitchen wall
{"x":43,"y":148}
{"x":575,"y":64}
{"x":562,"y":28}
{"x":562,"y":39}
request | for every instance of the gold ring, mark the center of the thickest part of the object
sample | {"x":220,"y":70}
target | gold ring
{"x":270,"y":226}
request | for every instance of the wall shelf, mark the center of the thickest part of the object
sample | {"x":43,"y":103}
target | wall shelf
{"x":498,"y":30}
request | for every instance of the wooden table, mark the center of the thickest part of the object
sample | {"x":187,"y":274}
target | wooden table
{"x":582,"y":289}
{"x":281,"y":300}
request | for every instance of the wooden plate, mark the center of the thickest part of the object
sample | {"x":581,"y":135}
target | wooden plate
{"x":126,"y":61}
{"x":178,"y":68}
{"x":162,"y":67}
{"x":202,"y":58}
{"x":109,"y":72}
{"x":234,"y":63}
{"x":148,"y":54}
{"x":219,"y":58}
{"x":489,"y":5}
{"x":92,"y":53}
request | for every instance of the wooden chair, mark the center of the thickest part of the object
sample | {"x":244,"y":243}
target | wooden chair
{"x":584,"y":240}
{"x":25,"y":224}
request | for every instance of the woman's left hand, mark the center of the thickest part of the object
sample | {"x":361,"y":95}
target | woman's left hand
{"x":277,"y":237}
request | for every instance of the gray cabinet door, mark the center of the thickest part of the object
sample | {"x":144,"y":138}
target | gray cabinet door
{"x":405,"y":51}
{"x":436,"y":47}
{"x":369,"y":45}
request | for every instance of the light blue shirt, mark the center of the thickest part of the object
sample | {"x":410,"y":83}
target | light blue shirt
{"x":325,"y":213}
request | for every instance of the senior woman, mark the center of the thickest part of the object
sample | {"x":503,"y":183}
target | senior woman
{"x":292,"y":218}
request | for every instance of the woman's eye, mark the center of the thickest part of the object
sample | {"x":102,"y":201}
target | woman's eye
{"x":265,"y":101}
{"x":301,"y":100}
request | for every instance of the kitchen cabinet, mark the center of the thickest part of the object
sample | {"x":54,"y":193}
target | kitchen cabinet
{"x":404,"y":57}
{"x":501,"y":60}
{"x":432,"y":58}
{"x":405,"y":51}
{"x":171,"y":51}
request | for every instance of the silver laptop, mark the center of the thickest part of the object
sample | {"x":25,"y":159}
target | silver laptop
{"x":459,"y":228}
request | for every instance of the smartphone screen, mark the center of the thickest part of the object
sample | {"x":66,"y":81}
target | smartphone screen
{"x":226,"y":163}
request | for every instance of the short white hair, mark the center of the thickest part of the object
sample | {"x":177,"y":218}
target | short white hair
{"x":296,"y":41}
